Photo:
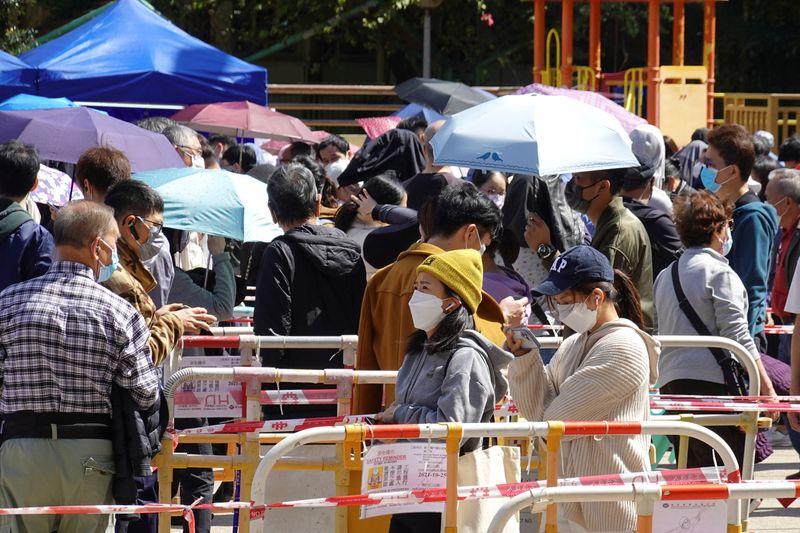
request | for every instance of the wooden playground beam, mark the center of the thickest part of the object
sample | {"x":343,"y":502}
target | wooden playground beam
{"x":653,"y":60}
{"x":538,"y":39}
{"x":567,"y":19}
{"x":678,"y":33}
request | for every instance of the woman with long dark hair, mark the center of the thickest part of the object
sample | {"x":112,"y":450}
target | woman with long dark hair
{"x":450,"y":373}
{"x":602,"y":372}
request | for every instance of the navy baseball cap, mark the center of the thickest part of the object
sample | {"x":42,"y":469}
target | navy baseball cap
{"x":577,"y":265}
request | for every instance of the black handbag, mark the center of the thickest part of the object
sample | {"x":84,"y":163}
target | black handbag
{"x":732,"y":371}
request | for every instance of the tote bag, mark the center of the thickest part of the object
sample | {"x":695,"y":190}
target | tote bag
{"x":491,"y":466}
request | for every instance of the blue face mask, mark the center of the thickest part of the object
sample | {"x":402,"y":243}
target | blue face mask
{"x":708,"y":176}
{"x":106,"y":270}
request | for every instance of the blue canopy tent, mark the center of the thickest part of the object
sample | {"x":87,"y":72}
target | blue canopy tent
{"x":129,"y":53}
{"x":16,"y":76}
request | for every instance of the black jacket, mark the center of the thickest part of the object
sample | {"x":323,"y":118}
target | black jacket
{"x":665,"y":245}
{"x":529,"y":194}
{"x":310,"y":282}
{"x":136,"y":438}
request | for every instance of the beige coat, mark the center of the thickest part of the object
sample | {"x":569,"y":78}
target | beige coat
{"x":605,"y":375}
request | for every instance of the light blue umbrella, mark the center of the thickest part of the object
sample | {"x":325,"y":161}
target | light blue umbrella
{"x":533,"y":134}
{"x":216,"y":202}
{"x":30,"y":101}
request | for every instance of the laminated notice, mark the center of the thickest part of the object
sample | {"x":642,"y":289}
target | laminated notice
{"x":403,"y":466}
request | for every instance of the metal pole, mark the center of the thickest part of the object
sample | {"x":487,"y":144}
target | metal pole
{"x":678,"y":30}
{"x":426,"y":45}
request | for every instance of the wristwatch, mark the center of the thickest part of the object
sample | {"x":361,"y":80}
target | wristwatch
{"x":545,"y":251}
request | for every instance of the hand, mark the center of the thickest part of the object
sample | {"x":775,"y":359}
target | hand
{"x":513,"y":310}
{"x":536,"y":232}
{"x":169,"y":308}
{"x":216,"y":245}
{"x":195,"y":319}
{"x":365,"y":204}
{"x":768,"y":390}
{"x":387,"y":416}
{"x":513,"y":345}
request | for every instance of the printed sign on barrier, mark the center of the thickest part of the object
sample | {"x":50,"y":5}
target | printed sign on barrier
{"x":209,"y":398}
{"x":403,"y":466}
{"x":702,"y":516}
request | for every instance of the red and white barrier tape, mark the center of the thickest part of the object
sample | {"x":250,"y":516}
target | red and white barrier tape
{"x":277,"y":426}
{"x":733,"y":407}
{"x":672,"y":477}
{"x":151,"y":508}
{"x":298,"y":397}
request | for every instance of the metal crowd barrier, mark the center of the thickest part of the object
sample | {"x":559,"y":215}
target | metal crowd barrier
{"x":352,"y":439}
{"x":344,"y":380}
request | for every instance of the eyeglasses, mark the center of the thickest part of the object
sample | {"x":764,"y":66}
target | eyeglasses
{"x":154,"y":227}
{"x":188,"y":150}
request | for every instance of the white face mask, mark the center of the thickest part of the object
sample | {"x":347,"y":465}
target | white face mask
{"x":497,"y":199}
{"x":334,"y":168}
{"x":426,"y":310}
{"x":577,"y":316}
{"x":197,"y":162}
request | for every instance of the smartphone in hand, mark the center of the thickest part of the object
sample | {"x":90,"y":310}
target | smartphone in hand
{"x":524,"y":334}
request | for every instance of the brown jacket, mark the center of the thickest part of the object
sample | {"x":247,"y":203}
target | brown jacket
{"x":385,"y":323}
{"x":132,"y":282}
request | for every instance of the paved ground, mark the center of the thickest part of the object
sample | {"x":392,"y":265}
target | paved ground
{"x":770,"y":517}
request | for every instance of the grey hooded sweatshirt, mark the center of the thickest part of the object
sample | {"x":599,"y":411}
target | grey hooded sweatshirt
{"x":459,"y":385}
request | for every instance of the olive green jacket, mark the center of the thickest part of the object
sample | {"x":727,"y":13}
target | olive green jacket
{"x":621,"y":237}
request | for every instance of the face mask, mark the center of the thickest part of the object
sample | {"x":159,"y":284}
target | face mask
{"x":197,"y":162}
{"x":780,"y":215}
{"x":727,"y":244}
{"x":106,"y":270}
{"x":708,"y":176}
{"x":426,"y":310}
{"x":149,"y":249}
{"x":497,"y":199}
{"x":334,"y":168}
{"x":578,"y":317}
{"x":574,"y":195}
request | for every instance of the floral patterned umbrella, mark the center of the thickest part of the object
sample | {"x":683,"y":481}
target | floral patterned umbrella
{"x":54,"y":187}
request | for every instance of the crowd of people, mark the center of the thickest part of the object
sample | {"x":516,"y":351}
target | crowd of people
{"x":432,"y":266}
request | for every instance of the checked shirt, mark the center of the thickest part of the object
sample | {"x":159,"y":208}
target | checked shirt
{"x":64,"y":339}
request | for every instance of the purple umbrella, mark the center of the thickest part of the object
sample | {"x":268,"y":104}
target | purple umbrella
{"x":64,"y":134}
{"x":627,"y":120}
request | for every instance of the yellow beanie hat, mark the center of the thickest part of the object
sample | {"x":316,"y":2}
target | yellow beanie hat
{"x":461,"y":271}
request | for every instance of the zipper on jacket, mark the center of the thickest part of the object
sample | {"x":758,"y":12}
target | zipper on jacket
{"x":416,"y":374}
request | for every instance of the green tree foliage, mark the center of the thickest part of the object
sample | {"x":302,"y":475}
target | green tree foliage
{"x":16,"y":34}
{"x":756,"y":47}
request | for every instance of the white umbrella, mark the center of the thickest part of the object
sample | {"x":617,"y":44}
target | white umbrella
{"x":533,"y":134}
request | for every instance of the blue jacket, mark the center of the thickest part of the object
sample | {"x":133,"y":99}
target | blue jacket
{"x":755,"y":226}
{"x":26,"y":249}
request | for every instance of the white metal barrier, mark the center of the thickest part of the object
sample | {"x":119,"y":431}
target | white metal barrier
{"x":454,"y":433}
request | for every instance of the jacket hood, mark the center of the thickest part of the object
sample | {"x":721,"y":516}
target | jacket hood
{"x":6,"y":208}
{"x":329,"y":250}
{"x":653,"y":346}
{"x":497,"y":359}
{"x":421,"y":249}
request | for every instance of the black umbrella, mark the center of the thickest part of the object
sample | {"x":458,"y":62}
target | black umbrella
{"x":445,"y":97}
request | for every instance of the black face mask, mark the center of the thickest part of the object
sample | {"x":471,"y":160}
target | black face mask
{"x":574,"y":195}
